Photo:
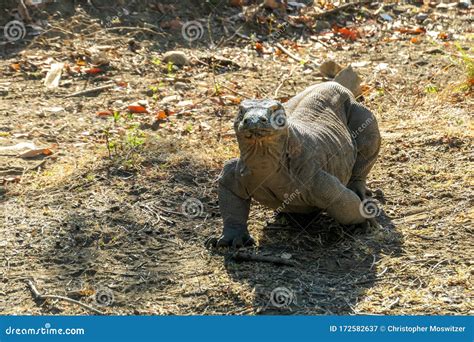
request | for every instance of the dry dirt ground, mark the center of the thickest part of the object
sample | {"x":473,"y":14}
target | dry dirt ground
{"x":116,"y":213}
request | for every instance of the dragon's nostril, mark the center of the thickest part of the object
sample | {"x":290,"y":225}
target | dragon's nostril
{"x":263,"y":119}
{"x":246,"y":121}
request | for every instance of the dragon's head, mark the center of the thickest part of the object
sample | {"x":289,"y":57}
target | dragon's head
{"x":260,"y":119}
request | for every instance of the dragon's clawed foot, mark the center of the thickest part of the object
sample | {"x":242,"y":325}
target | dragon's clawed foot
{"x":230,"y":240}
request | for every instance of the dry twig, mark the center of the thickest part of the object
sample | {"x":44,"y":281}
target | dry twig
{"x":243,"y":256}
{"x":38,"y":295}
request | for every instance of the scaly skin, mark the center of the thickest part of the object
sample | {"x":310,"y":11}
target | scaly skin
{"x":312,"y":153}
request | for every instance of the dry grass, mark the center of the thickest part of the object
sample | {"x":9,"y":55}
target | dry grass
{"x":88,"y":222}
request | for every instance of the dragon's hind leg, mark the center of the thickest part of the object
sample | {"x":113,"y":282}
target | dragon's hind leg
{"x":365,"y":131}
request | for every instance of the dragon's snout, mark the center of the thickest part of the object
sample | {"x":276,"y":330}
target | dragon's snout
{"x":260,"y":117}
{"x":254,"y":120}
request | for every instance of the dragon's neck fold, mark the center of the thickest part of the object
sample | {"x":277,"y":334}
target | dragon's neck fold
{"x":264,"y":154}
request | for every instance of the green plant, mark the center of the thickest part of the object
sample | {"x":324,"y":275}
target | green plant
{"x":430,"y":89}
{"x":116,"y":117}
{"x":467,"y":60}
{"x":134,"y":138}
{"x":169,"y":68}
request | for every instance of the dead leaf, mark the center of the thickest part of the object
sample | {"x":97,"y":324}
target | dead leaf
{"x":236,"y":3}
{"x":443,"y":35}
{"x":93,"y":71}
{"x":15,"y":66}
{"x":347,"y":33}
{"x":36,"y":152}
{"x":161,"y":115}
{"x":173,"y":24}
{"x":418,"y":30}
{"x":137,"y":109}
{"x":105,"y":113}
{"x":232,"y":99}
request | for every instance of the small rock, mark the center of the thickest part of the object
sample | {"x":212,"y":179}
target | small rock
{"x":434,"y":51}
{"x":295,"y":5}
{"x":421,"y":63}
{"x":286,"y":256}
{"x":185,"y":103}
{"x":54,"y":75}
{"x":168,"y":99}
{"x":176,"y":57}
{"x":321,"y":25}
{"x":420,"y":17}
{"x":386,"y":17}
{"x":97,"y":56}
{"x":329,"y":68}
{"x":464,"y":4}
{"x":349,"y":79}
{"x":143,"y":103}
{"x":181,"y":86}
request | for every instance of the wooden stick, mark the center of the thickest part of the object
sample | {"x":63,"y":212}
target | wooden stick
{"x":242,"y":256}
{"x":145,"y":29}
{"x":296,"y":58}
{"x":284,"y":80}
{"x":89,"y":91}
{"x":342,"y":7}
{"x":38,"y":295}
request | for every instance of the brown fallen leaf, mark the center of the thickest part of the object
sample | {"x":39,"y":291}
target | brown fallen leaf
{"x":137,"y":109}
{"x":161,"y":115}
{"x":104,"y":113}
{"x":93,"y":71}
{"x":259,"y":47}
{"x":36,"y":153}
{"x":173,"y":24}
{"x":15,"y":66}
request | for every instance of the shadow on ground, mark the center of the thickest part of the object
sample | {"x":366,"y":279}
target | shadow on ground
{"x":336,"y":265}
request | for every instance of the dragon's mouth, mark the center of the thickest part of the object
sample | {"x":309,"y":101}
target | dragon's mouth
{"x":257,"y":133}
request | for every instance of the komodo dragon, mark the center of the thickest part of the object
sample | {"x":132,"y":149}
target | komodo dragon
{"x":315,"y":150}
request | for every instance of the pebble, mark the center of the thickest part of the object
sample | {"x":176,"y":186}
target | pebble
{"x":386,"y":17}
{"x":464,"y":4}
{"x":329,"y":68}
{"x":181,"y":86}
{"x":321,"y":25}
{"x":420,"y":17}
{"x":178,"y":58}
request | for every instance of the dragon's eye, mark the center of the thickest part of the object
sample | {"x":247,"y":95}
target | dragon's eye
{"x":275,"y":107}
